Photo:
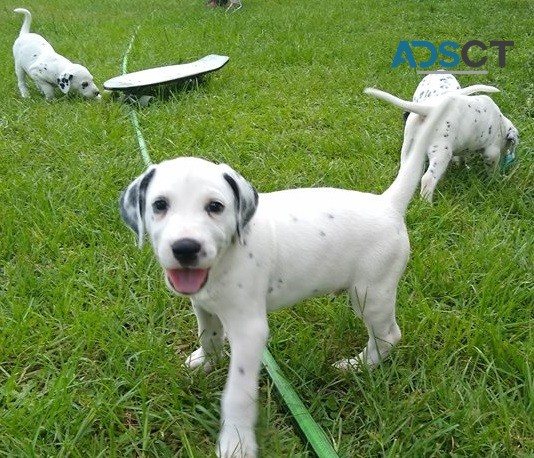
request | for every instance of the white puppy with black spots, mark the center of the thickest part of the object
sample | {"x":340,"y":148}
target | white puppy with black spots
{"x":472,"y":124}
{"x":432,"y":85}
{"x":35,"y":57}
{"x":239,"y":255}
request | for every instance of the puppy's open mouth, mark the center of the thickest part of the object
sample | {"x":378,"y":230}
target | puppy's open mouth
{"x":187,"y":281}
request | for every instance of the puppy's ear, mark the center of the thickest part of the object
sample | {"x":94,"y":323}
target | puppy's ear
{"x":512,"y":138}
{"x":246,"y":200}
{"x":64,"y":81}
{"x":132,"y":204}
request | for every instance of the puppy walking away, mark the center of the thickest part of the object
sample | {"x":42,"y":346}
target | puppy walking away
{"x":471,"y":124}
{"x":35,"y":57}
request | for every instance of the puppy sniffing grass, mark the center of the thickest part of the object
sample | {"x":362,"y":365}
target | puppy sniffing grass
{"x":472,"y":124}
{"x":35,"y":57}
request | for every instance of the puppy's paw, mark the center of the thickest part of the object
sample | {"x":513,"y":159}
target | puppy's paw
{"x":349,"y":364}
{"x":427,"y":189}
{"x":364,"y":360}
{"x":198,"y":358}
{"x":236,"y":442}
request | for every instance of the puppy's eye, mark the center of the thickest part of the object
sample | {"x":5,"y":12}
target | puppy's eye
{"x":85,"y":84}
{"x":215,"y":207}
{"x":160,"y":206}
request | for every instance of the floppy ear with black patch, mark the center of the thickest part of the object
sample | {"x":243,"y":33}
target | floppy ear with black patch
{"x":132,"y":204}
{"x":246,"y":200}
{"x":512,"y":138}
{"x":63,"y":82}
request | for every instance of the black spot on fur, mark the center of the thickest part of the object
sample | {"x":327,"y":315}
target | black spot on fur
{"x":241,"y":370}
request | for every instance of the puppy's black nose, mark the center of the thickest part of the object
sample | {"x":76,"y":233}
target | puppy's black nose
{"x":186,"y":251}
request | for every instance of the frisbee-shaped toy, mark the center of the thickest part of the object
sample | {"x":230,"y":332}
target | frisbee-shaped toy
{"x":159,"y":76}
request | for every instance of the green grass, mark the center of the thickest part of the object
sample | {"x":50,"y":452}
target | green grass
{"x":91,"y":342}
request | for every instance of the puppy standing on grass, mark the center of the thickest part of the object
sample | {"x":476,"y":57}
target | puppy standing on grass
{"x":471,"y":124}
{"x":35,"y":57}
{"x":238,"y":255}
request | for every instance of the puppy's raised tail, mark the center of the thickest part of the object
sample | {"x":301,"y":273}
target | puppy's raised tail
{"x":421,"y":108}
{"x":403,"y":187}
{"x":27,"y":20}
{"x":476,"y":88}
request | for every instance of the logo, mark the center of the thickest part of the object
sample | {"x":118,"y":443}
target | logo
{"x":448,"y":54}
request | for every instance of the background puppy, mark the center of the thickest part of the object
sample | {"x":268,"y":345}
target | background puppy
{"x":432,"y":85}
{"x":471,"y":124}
{"x":239,"y":255}
{"x":35,"y":57}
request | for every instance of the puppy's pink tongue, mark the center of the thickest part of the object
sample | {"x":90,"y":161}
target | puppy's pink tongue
{"x":187,"y":281}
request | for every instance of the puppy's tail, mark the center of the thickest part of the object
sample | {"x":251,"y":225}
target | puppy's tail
{"x":27,"y":20}
{"x":476,"y":88}
{"x":422,"y":109}
{"x":403,"y":187}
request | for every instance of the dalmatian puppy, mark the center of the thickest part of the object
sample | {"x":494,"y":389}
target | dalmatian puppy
{"x":432,"y":85}
{"x":35,"y":57}
{"x":471,"y":124}
{"x":238,"y":254}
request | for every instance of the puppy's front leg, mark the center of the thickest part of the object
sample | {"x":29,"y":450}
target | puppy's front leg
{"x":492,"y":156}
{"x":211,"y":335}
{"x":47,"y":89}
{"x":247,"y":335}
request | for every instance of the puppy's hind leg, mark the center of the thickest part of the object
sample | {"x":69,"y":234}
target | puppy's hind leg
{"x":439,"y":157}
{"x":377,"y":310}
{"x":211,"y":335}
{"x":21,"y":81}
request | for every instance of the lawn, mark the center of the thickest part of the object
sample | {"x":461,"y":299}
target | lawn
{"x":92,"y":343}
